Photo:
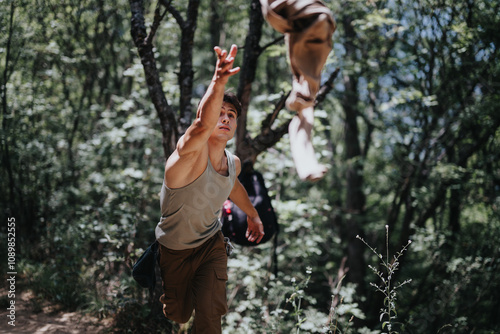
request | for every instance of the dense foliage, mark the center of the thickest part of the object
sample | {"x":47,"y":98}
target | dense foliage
{"x":410,"y":132}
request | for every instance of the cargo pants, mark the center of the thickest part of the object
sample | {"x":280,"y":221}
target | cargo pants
{"x":195,"y":279}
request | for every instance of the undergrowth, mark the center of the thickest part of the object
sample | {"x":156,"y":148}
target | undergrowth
{"x":388,"y":314}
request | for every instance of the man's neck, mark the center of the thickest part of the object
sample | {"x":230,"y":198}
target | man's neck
{"x":216,"y":153}
{"x":216,"y":147}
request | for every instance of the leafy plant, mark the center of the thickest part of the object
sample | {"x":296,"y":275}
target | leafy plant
{"x":333,"y":324}
{"x":295,"y":299}
{"x":388,"y":313}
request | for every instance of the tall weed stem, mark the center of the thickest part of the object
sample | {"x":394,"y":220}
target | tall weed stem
{"x":388,"y":313}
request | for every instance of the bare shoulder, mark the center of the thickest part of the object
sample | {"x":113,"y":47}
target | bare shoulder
{"x":181,"y":170}
{"x":237,"y":164}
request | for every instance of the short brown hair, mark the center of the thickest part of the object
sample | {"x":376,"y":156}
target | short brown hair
{"x":230,"y":97}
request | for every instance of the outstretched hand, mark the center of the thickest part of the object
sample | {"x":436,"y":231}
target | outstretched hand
{"x":255,"y":230}
{"x":224,"y":67}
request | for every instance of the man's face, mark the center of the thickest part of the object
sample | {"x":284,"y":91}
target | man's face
{"x":226,"y":126}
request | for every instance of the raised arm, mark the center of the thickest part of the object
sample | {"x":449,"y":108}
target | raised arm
{"x":189,"y":159}
{"x":209,"y":108}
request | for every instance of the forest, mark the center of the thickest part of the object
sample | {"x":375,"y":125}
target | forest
{"x":402,"y":234}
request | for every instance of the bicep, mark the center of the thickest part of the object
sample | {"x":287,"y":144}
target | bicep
{"x":183,"y":168}
{"x":237,"y":187}
{"x":237,"y":165}
{"x":239,"y":196}
{"x":238,"y":193}
{"x":194,"y":139}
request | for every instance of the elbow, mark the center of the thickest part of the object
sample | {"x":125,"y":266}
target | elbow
{"x":199,"y":126}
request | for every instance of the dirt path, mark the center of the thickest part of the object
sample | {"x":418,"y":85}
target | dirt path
{"x":49,"y":320}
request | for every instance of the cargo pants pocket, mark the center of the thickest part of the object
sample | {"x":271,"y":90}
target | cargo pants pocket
{"x":219,"y":301}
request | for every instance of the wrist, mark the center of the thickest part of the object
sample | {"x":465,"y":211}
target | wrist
{"x":253,"y":214}
{"x":219,"y":81}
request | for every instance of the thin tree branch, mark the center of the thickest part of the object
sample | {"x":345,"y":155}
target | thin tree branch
{"x":156,"y":23}
{"x":276,"y":41}
{"x":326,"y":87}
{"x":175,"y":13}
{"x":269,"y":137}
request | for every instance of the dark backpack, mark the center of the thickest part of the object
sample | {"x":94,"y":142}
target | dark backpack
{"x":234,"y":220}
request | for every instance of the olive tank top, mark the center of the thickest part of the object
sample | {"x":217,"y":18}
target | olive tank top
{"x":190,"y":214}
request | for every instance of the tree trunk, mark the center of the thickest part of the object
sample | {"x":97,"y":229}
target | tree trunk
{"x":216,"y":20}
{"x":355,"y":198}
{"x":5,"y":117}
{"x":247,"y":76}
{"x":144,"y":46}
{"x":186,"y":73}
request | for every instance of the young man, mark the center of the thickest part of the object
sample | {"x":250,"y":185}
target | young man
{"x":199,"y":176}
{"x":308,"y":26}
